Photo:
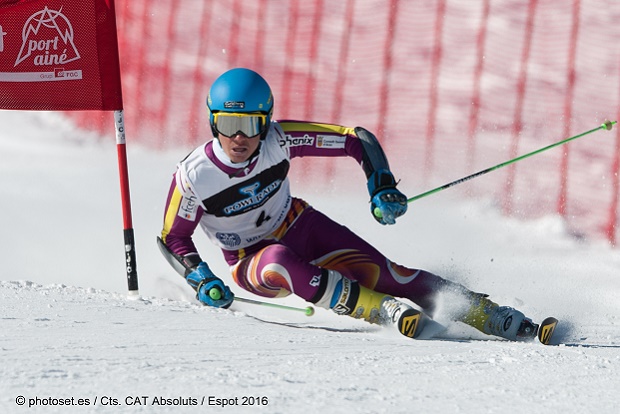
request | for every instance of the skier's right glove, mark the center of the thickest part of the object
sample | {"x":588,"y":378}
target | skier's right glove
{"x":210,"y":289}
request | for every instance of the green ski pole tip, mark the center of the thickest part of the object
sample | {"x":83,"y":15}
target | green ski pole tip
{"x":309,"y":311}
{"x":608,"y":125}
{"x":215,"y":294}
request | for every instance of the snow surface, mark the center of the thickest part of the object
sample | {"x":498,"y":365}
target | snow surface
{"x":68,"y":330}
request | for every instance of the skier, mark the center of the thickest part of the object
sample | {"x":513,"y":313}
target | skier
{"x":236,"y":188}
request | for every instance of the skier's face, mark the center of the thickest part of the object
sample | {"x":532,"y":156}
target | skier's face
{"x":239,"y":148}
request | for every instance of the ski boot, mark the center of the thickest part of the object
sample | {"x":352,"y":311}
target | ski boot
{"x":503,"y":321}
{"x":350,"y":298}
{"x":407,"y":320}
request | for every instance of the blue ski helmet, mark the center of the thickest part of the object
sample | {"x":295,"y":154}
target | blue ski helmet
{"x":240,"y":90}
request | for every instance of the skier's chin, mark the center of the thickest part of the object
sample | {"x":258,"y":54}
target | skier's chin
{"x":239,"y":155}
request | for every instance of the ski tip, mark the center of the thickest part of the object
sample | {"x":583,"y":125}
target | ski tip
{"x":546,"y":329}
{"x":411,"y":323}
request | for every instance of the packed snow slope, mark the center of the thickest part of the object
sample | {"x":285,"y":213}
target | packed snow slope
{"x":70,"y":335}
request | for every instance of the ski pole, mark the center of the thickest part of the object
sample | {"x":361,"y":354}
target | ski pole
{"x":215,"y":293}
{"x":308,"y":311}
{"x":607,"y":125}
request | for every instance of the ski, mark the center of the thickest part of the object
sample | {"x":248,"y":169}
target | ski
{"x":546,"y":329}
{"x":411,"y":323}
{"x":417,"y":325}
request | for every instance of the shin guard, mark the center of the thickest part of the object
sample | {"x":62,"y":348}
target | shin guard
{"x":350,"y":298}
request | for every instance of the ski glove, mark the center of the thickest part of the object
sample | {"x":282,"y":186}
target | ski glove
{"x":210,"y":290}
{"x":386,"y":202}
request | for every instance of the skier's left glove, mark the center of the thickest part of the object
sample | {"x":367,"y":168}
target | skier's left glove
{"x":210,"y":289}
{"x":386,"y":202}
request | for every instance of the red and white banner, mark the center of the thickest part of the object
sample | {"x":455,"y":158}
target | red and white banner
{"x":62,"y":55}
{"x":59,"y":55}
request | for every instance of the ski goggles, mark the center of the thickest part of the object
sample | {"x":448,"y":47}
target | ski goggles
{"x":230,"y":124}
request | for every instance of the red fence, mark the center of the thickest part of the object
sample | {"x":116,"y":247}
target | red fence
{"x":450,"y":87}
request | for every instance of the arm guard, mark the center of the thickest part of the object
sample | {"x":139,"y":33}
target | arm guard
{"x":183,"y":265}
{"x":374,"y":158}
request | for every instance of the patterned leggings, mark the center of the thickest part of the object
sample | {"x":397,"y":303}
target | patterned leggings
{"x":315,"y":242}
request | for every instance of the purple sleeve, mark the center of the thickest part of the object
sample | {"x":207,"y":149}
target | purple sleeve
{"x":309,"y":139}
{"x":178,"y":230}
